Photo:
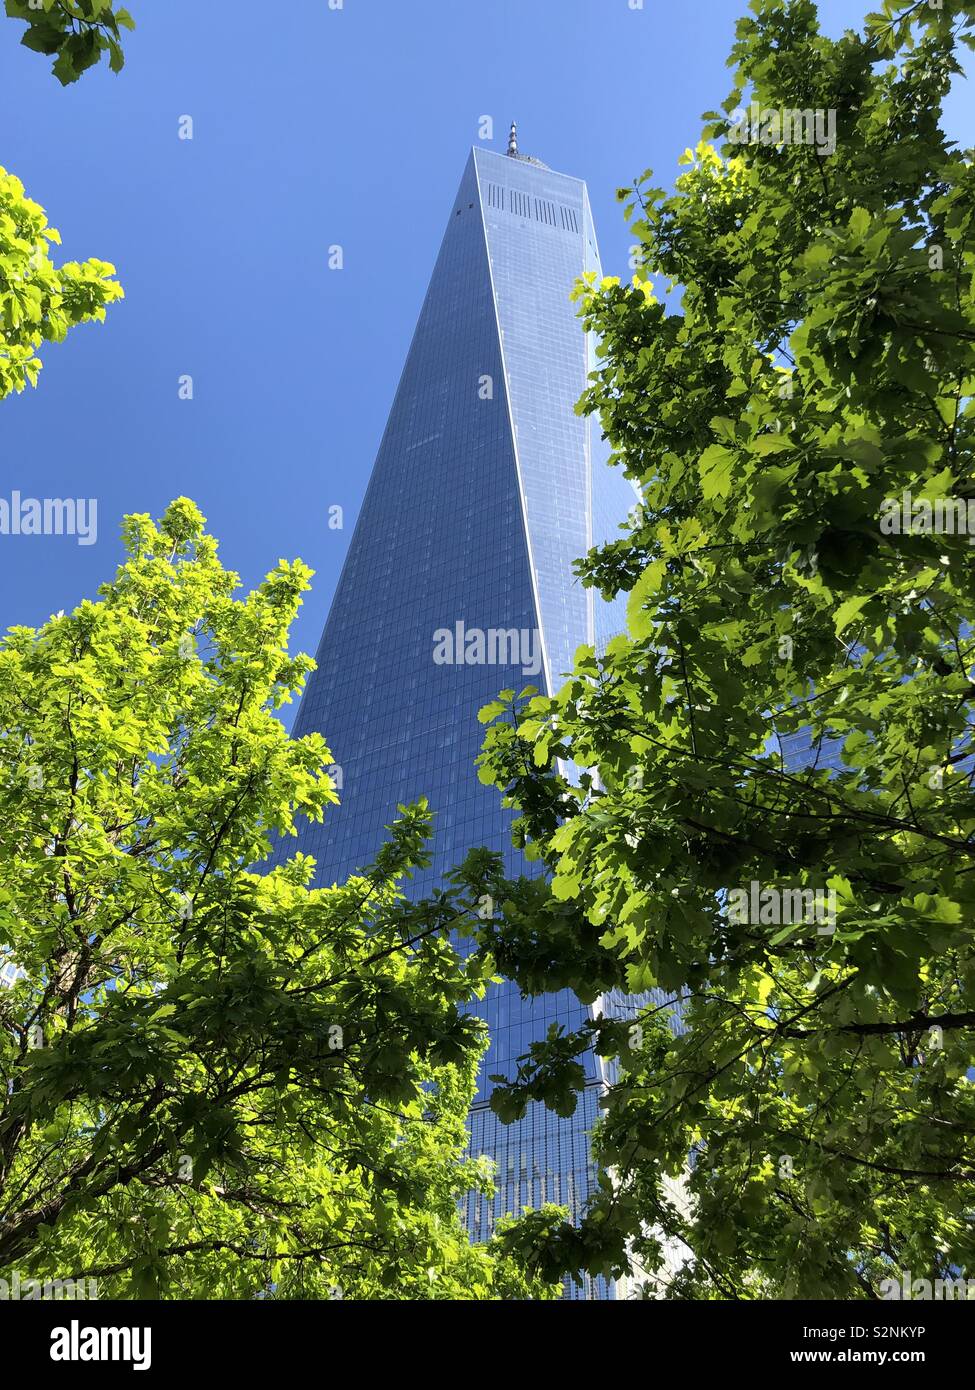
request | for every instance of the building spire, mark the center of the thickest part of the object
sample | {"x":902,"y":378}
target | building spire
{"x":513,"y":141}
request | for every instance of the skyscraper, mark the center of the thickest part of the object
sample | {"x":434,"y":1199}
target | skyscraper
{"x":459,"y":583}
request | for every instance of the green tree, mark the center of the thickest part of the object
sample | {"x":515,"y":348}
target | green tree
{"x":39,"y":302}
{"x":215,"y":1081}
{"x":818,"y":365}
{"x":75,"y":32}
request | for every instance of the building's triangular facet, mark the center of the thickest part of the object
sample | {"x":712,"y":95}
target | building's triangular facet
{"x":486,"y":488}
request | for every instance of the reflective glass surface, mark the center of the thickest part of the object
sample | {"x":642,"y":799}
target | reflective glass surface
{"x":486,"y":487}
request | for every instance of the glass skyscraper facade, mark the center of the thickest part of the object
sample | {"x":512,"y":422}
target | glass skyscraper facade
{"x":486,"y":488}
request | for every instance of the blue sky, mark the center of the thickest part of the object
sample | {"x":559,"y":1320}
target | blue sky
{"x":312,"y":127}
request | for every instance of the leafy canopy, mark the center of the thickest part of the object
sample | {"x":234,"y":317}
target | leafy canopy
{"x":76,"y":33}
{"x":216,"y":1081}
{"x":39,"y":302}
{"x":791,"y":705}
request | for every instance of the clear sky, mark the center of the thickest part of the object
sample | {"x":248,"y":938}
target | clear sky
{"x":312,"y":127}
